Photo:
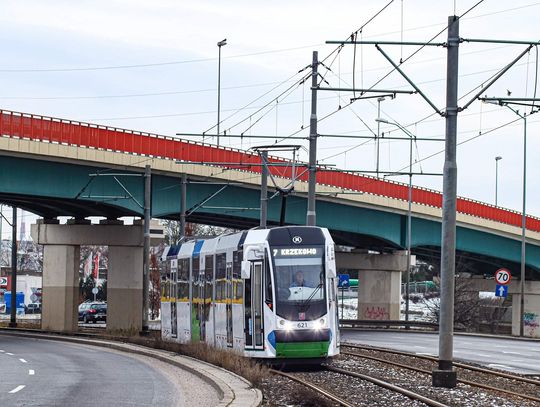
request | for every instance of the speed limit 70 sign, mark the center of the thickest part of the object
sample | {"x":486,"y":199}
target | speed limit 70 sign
{"x":503,"y":276}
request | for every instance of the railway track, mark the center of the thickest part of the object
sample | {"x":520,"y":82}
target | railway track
{"x":378,"y":382}
{"x":511,"y":379}
{"x":313,"y":387}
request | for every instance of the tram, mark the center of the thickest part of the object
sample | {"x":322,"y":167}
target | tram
{"x":265,"y":293}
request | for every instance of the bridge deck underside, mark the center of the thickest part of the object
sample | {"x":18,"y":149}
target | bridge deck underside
{"x":52,"y":189}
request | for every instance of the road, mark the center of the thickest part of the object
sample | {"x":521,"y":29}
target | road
{"x":37,"y":372}
{"x":513,"y":355}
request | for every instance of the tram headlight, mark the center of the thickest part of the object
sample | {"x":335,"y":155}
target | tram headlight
{"x":285,"y":324}
{"x":320,"y":323}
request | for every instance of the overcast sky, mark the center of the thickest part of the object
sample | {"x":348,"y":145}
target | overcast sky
{"x":152,"y":66}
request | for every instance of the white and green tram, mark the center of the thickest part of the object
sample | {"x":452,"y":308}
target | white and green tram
{"x":267,"y":293}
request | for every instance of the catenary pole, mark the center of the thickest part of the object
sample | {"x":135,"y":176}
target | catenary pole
{"x":523,"y":231}
{"x":13,"y":288}
{"x":146,"y":248}
{"x":183,"y":202}
{"x":264,"y":189}
{"x":445,"y":375}
{"x":311,"y":219}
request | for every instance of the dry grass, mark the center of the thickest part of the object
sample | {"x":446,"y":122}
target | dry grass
{"x":230,"y":360}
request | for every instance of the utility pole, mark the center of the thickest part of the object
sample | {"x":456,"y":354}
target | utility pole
{"x":264,"y":189}
{"x":13,"y":315}
{"x":146,"y":248}
{"x":311,"y":219}
{"x":183,"y":202}
{"x":445,"y":375}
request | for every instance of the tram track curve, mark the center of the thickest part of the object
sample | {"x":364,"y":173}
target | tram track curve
{"x":500,"y":375}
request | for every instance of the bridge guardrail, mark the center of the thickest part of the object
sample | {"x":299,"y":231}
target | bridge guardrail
{"x":61,"y":131}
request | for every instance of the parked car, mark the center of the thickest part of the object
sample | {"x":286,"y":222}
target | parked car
{"x":33,"y":308}
{"x":93,"y":312}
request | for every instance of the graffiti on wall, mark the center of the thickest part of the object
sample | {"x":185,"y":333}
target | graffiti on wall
{"x":379,"y":313}
{"x":531,"y":322}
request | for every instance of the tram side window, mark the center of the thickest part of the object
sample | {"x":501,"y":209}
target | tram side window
{"x":268,"y":283}
{"x":195,"y":281}
{"x":220,"y":276}
{"x":167,"y":285}
{"x":237,"y":275}
{"x":183,"y":280}
{"x":208,"y":278}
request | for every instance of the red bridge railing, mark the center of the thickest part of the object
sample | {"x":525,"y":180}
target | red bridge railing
{"x":54,"y":130}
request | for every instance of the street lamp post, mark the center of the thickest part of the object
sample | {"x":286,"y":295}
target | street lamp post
{"x":497,"y":159}
{"x":409,"y":213}
{"x":219,"y":44}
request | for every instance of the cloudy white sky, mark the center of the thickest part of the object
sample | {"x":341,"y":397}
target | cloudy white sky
{"x":152,"y":66}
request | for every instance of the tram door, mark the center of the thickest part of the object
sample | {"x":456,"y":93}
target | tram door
{"x":174,"y":297}
{"x":253,"y":310}
{"x":229,"y":301}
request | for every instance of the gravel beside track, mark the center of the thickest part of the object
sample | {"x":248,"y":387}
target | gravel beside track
{"x":279,"y":391}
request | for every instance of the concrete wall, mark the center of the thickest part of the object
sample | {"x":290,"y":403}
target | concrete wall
{"x":531,"y":324}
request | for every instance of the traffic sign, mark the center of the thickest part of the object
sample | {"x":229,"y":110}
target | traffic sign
{"x":95,"y":290}
{"x":501,"y":291}
{"x":503,"y":276}
{"x":343,"y":281}
{"x":3,"y":282}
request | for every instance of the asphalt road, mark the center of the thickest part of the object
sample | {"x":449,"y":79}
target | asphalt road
{"x":37,"y":372}
{"x":513,"y":355}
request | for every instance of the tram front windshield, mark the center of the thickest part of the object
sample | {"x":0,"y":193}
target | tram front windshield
{"x":300,"y":282}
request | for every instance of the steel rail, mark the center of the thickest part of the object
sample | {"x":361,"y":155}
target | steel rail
{"x":456,"y":364}
{"x":389,"y":386}
{"x":313,"y":387}
{"x":464,"y":381}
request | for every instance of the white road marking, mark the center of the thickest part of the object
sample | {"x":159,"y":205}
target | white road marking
{"x":511,"y":353}
{"x":31,"y":372}
{"x":2,"y":351}
{"x":22,"y":360}
{"x":18,"y":388}
{"x":10,"y":354}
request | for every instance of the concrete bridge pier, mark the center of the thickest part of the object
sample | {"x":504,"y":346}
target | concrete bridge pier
{"x":379,"y":282}
{"x":60,"y":287}
{"x":61,"y":258}
{"x":125,"y":288}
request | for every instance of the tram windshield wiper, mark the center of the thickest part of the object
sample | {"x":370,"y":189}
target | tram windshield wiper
{"x":304,"y":305}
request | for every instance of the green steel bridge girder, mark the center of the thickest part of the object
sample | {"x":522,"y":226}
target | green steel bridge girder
{"x":48,"y":188}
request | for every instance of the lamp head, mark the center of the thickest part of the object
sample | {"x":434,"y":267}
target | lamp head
{"x":382,"y":120}
{"x":498,"y":158}
{"x":222,"y":43}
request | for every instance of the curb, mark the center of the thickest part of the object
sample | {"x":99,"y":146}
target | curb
{"x":232,"y":389}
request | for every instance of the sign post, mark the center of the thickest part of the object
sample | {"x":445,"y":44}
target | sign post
{"x":502,"y":278}
{"x":343,"y":283}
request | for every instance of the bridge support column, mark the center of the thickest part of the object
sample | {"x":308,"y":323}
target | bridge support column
{"x":61,"y":273}
{"x":379,"y":282}
{"x":124,"y":289}
{"x":60,"y":287}
{"x":531,"y":315}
